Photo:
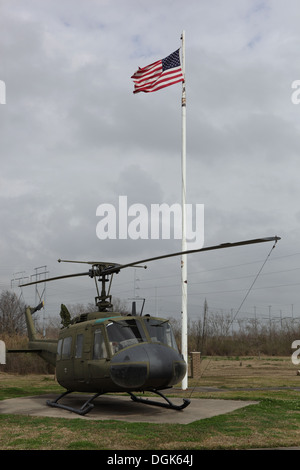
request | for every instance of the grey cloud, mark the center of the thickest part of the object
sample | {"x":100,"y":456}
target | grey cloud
{"x":74,"y":136}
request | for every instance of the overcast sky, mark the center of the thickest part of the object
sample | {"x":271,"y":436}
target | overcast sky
{"x":74,"y":136}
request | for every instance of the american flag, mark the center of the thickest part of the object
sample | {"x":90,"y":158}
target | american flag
{"x":160,"y":74}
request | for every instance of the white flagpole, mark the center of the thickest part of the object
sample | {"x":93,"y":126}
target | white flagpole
{"x":184,"y":333}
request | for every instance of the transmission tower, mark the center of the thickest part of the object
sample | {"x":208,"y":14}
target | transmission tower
{"x":40,"y":292}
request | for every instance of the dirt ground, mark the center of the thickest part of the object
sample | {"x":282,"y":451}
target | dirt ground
{"x":241,"y":372}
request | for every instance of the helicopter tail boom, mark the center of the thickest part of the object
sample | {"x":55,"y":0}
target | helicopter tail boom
{"x":44,"y":348}
{"x":29,"y":321}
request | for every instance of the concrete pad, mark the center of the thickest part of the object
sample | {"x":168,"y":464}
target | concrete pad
{"x":122,"y":408}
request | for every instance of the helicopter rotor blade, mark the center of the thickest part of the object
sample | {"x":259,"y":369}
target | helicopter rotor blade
{"x":110,"y":268}
{"x":208,"y":248}
{"x":54,"y":279}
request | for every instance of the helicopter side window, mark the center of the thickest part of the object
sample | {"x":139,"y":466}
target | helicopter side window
{"x":78,"y":346}
{"x":124,"y":333}
{"x":99,"y":351}
{"x":66,"y":349}
{"x":161,"y":332}
{"x":59,"y":348}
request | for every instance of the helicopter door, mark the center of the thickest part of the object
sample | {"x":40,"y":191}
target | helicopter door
{"x":64,"y":363}
{"x":82,"y":348}
{"x":98,"y":364}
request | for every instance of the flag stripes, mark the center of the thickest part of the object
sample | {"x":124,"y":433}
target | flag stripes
{"x":159,"y":74}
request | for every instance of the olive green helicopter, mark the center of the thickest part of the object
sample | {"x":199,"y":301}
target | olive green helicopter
{"x":106,"y":352}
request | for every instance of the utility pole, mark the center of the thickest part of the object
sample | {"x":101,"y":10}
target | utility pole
{"x":20,"y":277}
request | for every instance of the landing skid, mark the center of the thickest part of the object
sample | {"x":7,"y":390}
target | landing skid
{"x":169,"y":404}
{"x":88,"y":405}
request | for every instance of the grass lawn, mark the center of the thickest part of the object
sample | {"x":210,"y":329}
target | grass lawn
{"x":273,"y":422}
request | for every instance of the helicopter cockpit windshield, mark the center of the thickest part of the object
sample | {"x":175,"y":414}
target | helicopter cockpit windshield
{"x":126,"y":333}
{"x":161,"y":332}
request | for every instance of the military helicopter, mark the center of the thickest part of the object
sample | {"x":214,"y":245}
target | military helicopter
{"x":105,"y":352}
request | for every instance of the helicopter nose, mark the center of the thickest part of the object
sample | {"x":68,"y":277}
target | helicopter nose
{"x":147,"y":366}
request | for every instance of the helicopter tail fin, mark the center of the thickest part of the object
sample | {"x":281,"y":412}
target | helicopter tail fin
{"x":29,"y":321}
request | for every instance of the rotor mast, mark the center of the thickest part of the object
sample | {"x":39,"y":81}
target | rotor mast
{"x":103,"y":300}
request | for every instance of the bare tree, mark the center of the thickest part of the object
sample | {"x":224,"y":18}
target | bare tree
{"x":218,"y":324}
{"x":12,"y":317}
